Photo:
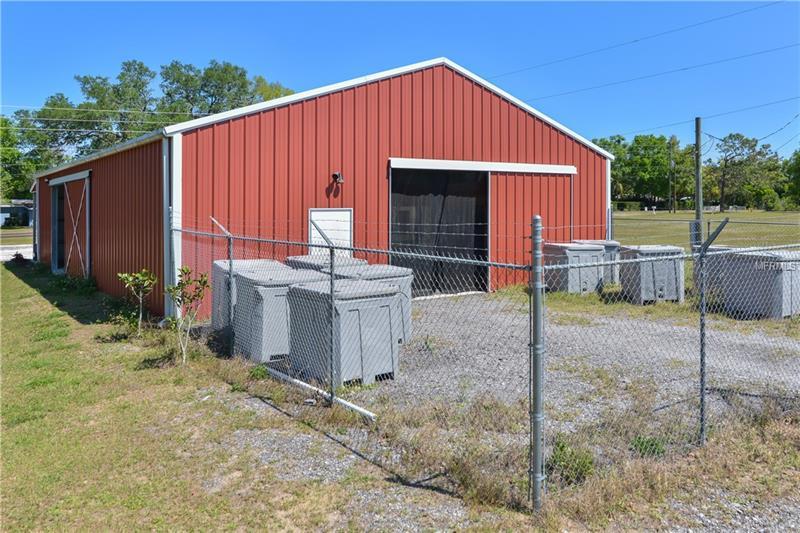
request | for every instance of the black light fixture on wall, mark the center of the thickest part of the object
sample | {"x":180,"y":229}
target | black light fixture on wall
{"x":338,"y":177}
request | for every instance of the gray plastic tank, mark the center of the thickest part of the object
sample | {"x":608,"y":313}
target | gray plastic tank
{"x":261,"y":316}
{"x":220,"y":295}
{"x":763,"y":284}
{"x":401,"y":277}
{"x":573,"y":280}
{"x":654,"y":280}
{"x":366,"y":326}
{"x":319,"y":261}
{"x":610,"y":253}
{"x":717,"y":274}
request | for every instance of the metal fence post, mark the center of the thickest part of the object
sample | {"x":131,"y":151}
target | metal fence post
{"x":230,"y":293}
{"x":333,"y":317}
{"x":700,"y":264}
{"x":231,"y":299}
{"x":536,"y":354}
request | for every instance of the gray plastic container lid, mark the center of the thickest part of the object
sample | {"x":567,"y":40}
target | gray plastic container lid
{"x":253,"y":264}
{"x":585,"y":247}
{"x":650,"y":249}
{"x":282,"y":278}
{"x":777,"y":256}
{"x":325,"y":259}
{"x":601,"y":242}
{"x":349,"y":289}
{"x":368,"y":272}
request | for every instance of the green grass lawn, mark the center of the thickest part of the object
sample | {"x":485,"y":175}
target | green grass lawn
{"x":639,"y":227}
{"x":91,"y":440}
{"x":16,"y":236}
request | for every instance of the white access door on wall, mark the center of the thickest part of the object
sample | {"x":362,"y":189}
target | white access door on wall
{"x":337,"y":225}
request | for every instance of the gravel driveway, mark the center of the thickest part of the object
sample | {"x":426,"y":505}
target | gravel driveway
{"x":477,"y":345}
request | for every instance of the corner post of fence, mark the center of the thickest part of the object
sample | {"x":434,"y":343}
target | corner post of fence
{"x":536,"y":367}
{"x":230,"y":283}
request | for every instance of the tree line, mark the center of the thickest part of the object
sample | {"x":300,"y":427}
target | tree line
{"x":114,"y":110}
{"x":657,"y":170}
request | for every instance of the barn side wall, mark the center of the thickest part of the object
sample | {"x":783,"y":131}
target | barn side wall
{"x":259,"y":174}
{"x":126,"y":218}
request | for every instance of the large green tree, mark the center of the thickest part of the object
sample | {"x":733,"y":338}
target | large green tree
{"x":745,"y":171}
{"x":15,"y":170}
{"x":113,"y":110}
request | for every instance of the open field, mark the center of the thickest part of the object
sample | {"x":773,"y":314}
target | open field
{"x":640,"y":227}
{"x":16,"y":236}
{"x":100,"y":430}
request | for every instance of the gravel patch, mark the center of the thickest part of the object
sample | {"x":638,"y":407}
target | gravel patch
{"x":294,"y":455}
{"x":467,"y":346}
{"x":406,"y":509}
{"x":722,"y":511}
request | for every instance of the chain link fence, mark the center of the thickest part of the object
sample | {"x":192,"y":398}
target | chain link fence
{"x":503,"y":381}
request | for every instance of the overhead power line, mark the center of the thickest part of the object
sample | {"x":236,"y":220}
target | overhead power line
{"x":779,"y":129}
{"x":667,"y":72}
{"x":759,"y":139}
{"x":90,"y":110}
{"x":634,"y":41}
{"x":74,"y":130}
{"x":715,"y":115}
{"x":793,"y":137}
{"x":109,"y":120}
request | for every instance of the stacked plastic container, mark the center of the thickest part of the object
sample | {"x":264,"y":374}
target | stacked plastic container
{"x":401,"y":277}
{"x":366,"y":325}
{"x":261,"y":317}
{"x":652,"y":279}
{"x":763,"y":284}
{"x":610,"y":253}
{"x":575,"y":279}
{"x":221,"y":296}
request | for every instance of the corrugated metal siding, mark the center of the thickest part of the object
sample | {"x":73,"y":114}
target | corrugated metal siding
{"x":43,"y":212}
{"x":126,"y":218}
{"x":262,"y":173}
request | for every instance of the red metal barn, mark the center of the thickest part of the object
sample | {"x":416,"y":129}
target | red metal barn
{"x":396,"y":139}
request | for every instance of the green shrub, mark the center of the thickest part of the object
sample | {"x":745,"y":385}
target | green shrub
{"x":65,"y":283}
{"x":568,"y":463}
{"x":648,"y":446}
{"x":259,"y":372}
{"x":627,"y":205}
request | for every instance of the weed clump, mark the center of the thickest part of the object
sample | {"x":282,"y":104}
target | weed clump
{"x":569,"y":464}
{"x":648,"y":446}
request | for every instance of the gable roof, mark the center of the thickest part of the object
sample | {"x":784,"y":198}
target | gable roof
{"x":313,"y":93}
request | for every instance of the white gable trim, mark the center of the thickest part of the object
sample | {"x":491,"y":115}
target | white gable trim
{"x":313,"y":93}
{"x":484,"y":166}
{"x":127,"y":145}
{"x":83,"y":174}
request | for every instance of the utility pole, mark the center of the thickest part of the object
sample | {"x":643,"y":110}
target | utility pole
{"x":671,"y":174}
{"x":698,"y":179}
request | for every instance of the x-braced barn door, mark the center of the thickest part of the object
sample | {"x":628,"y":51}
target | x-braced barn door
{"x":70,"y":225}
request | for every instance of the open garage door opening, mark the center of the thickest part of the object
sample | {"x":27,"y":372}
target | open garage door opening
{"x":444,"y":213}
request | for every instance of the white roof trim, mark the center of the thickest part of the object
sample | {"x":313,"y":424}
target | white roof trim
{"x":83,"y":174}
{"x":486,"y":166}
{"x":305,"y":95}
{"x":121,"y":147}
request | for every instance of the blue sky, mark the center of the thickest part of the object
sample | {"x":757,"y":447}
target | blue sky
{"x":307,"y":45}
